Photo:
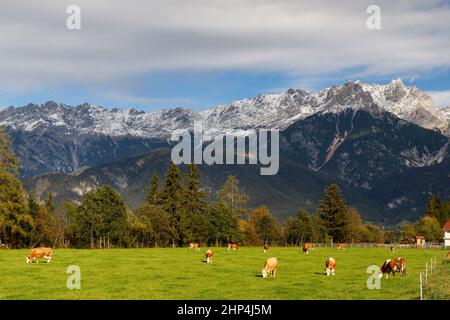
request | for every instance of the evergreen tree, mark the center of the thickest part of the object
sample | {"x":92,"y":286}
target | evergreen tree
{"x":236,"y":201}
{"x":153,"y":191}
{"x":49,"y":205}
{"x":9,"y":162}
{"x":100,"y":219}
{"x":333,"y":212}
{"x":437,"y":209}
{"x":33,"y":205}
{"x":194,"y":221}
{"x":172,"y":201}
{"x":15,"y":221}
{"x":194,"y":197}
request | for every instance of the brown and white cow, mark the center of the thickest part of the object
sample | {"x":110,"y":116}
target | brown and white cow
{"x":306,"y":247}
{"x":209,"y":255}
{"x":330,"y":266}
{"x":266,"y":248}
{"x":194,"y":245}
{"x":393,"y":266}
{"x":232,"y":246}
{"x":270,"y":267}
{"x":37,"y":253}
{"x":340,"y":246}
{"x":401,"y":266}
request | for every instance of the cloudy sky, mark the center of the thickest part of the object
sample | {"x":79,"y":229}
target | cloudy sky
{"x":199,"y":53}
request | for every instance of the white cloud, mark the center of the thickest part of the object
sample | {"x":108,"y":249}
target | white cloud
{"x":119,"y":40}
{"x":440,"y":98}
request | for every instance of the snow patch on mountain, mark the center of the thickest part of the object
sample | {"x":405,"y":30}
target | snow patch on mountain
{"x":424,"y":158}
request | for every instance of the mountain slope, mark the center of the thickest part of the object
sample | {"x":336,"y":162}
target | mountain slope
{"x":386,"y":166}
{"x":59,"y":138}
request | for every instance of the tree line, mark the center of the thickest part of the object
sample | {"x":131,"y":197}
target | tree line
{"x":177,"y":211}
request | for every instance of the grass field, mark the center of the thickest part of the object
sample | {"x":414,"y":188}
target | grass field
{"x":177,"y":273}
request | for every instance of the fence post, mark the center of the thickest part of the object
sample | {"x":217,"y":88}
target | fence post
{"x":431,"y":266}
{"x":426,"y":274}
{"x":420,"y":285}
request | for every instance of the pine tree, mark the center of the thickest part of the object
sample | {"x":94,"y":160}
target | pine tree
{"x":172,"y":200}
{"x":15,"y":222}
{"x":49,"y":205}
{"x":9,"y":162}
{"x":333,"y":213}
{"x":33,"y":205}
{"x":153,"y":191}
{"x":437,"y":209}
{"x":236,"y":201}
{"x":194,"y":222}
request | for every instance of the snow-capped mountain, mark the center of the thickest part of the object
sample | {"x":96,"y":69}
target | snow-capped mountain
{"x":58,"y":138}
{"x":446,"y":112}
{"x":408,"y":103}
{"x":89,"y":119}
{"x":267,"y":110}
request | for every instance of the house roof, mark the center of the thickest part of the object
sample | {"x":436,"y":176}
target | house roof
{"x":447,"y":225}
{"x":420,"y":237}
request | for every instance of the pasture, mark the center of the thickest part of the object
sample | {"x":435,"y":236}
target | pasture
{"x":178,"y":273}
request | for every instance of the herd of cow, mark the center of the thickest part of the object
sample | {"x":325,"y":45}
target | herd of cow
{"x":396,"y":265}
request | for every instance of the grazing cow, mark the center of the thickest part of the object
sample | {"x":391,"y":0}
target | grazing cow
{"x":209,"y":255}
{"x":37,"y":253}
{"x":270,"y":267}
{"x":330,"y":266}
{"x":232,"y":246}
{"x":194,"y":245}
{"x":306,"y":247}
{"x":389,"y":266}
{"x":340,"y":246}
{"x":266,"y":248}
{"x":400,"y":262}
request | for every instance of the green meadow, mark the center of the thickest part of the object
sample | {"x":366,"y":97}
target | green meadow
{"x":178,"y":273}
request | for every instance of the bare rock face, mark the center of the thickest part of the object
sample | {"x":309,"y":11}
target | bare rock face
{"x":408,"y":103}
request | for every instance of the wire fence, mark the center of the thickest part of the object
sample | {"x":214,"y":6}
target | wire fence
{"x":425,"y":276}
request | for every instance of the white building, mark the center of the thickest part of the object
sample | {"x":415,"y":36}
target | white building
{"x":447,"y":234}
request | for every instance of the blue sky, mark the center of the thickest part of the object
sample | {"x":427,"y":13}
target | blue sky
{"x":159,"y":54}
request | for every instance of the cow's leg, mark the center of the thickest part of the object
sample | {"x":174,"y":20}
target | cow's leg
{"x":274,"y":272}
{"x":49,"y":258}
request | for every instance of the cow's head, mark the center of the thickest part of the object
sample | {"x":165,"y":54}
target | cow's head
{"x":380,"y":274}
{"x":264,"y":273}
